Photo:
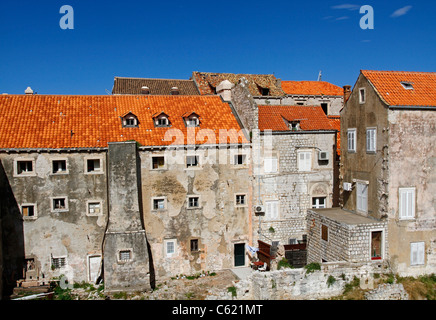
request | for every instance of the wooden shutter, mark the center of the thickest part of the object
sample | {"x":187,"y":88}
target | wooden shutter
{"x":407,"y":203}
{"x":417,"y":251}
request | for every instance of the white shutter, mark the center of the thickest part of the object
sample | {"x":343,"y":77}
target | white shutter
{"x":417,"y":252}
{"x":351,"y":134}
{"x":362,"y":197}
{"x":272,"y":209}
{"x":407,"y":203}
{"x":304,"y":161}
{"x":370,"y":140}
{"x":270,"y":165}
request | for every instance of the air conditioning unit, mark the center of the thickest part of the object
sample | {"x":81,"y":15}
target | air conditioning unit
{"x":323,"y":155}
{"x":259,"y":210}
{"x":348,"y":186}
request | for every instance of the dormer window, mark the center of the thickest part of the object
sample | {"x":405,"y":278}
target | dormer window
{"x":174,"y":91}
{"x":407,"y":85}
{"x":294,"y":125}
{"x":129,"y":120}
{"x":192,"y":119}
{"x":265,"y":91}
{"x":161,"y":119}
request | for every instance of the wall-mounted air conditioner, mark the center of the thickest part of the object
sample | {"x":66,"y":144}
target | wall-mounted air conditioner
{"x":323,"y":155}
{"x":347,"y":186}
{"x":259,"y":210}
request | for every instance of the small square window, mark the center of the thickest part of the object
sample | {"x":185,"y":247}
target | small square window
{"x":241,"y":199}
{"x":24,"y":167}
{"x":194,"y":245}
{"x":124,"y":255}
{"x":93,"y":166}
{"x":28,"y":211}
{"x":193,"y":202}
{"x":158,"y":204}
{"x":94,"y":208}
{"x":59,"y":204}
{"x":192,"y":161}
{"x":58,"y":262}
{"x":158,"y":162}
{"x":59,"y":166}
{"x":240,"y":159}
{"x":319,"y":202}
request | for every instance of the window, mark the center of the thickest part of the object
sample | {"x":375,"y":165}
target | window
{"x":194,"y":245}
{"x":125,"y":255}
{"x":58,"y":262}
{"x":192,"y":161}
{"x":324,"y":232}
{"x":193,"y":202}
{"x":94,"y":208}
{"x":270,"y":165}
{"x":351,"y":139}
{"x":59,"y":204}
{"x":304,"y":161}
{"x":324,"y":107}
{"x":407,"y":203}
{"x":158,"y":163}
{"x":319,"y":202}
{"x":24,"y":167}
{"x":59,"y":166}
{"x":240,"y":159}
{"x":362,"y":197}
{"x":159,"y":204}
{"x":129,"y":120}
{"x":94,"y":166}
{"x":371,"y":139}
{"x":191,"y":119}
{"x":28,"y":211}
{"x":417,"y":253}
{"x":264,"y":91}
{"x":294,"y":125}
{"x":362,"y":95}
{"x":170,"y":247}
{"x":272,"y":209}
{"x":376,"y":245}
{"x":241,"y":200}
{"x":407,"y":85}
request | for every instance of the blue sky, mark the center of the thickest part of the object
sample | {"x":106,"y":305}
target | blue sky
{"x":170,"y":39}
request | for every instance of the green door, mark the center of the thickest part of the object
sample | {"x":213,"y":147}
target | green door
{"x":239,"y":254}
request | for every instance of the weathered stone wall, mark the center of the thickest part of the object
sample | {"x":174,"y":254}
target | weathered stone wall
{"x":412,"y":163}
{"x":70,"y":233}
{"x":217,"y":224}
{"x":293,"y":189}
{"x":298,"y":284}
{"x":125,"y":231}
{"x":245,"y":105}
{"x":346,"y":242}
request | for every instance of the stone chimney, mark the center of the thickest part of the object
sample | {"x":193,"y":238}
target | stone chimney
{"x":347,"y":93}
{"x":28,"y":91}
{"x":224,"y":90}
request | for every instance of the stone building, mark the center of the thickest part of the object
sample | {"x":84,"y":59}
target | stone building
{"x":387,"y":173}
{"x":314,"y":93}
{"x":153,"y":186}
{"x":294,"y":155}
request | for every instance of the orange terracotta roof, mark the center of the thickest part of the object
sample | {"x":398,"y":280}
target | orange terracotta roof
{"x":310,"y":117}
{"x":389,"y":87}
{"x":311,"y":88}
{"x":42,"y":121}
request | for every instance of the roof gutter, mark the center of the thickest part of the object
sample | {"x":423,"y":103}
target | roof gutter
{"x":413,"y":107}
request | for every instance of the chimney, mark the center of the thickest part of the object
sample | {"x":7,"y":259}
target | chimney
{"x":224,"y":90}
{"x":28,"y":91}
{"x":347,"y":93}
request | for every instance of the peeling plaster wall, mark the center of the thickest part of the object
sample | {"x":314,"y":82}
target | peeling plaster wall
{"x":412,"y":163}
{"x":72,"y":234}
{"x":218,"y":223}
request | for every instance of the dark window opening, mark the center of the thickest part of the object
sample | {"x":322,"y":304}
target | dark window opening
{"x":59,"y":166}
{"x":194,"y":245}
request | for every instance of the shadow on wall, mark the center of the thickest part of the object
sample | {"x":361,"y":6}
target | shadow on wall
{"x":12,"y":238}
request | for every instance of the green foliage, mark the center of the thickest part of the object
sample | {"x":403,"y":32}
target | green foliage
{"x":331,"y":281}
{"x":283,"y":264}
{"x":351,"y":285}
{"x":311,"y":267}
{"x":232,"y":290}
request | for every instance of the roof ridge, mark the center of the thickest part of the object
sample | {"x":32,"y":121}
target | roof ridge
{"x":139,"y":78}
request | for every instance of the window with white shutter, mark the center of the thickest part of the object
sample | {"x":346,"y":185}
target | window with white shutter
{"x":362,"y":197}
{"x":304,"y":161}
{"x":417,"y":253}
{"x":272,"y":209}
{"x":371,"y":140}
{"x":407,"y":203}
{"x":351,"y":139}
{"x":270,"y":165}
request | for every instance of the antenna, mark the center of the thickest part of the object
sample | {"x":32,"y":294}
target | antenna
{"x":107,"y":91}
{"x":320,"y":75}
